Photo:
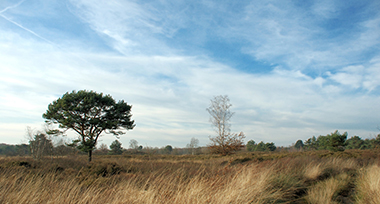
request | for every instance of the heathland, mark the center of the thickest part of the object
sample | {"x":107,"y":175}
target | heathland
{"x":350,"y":176}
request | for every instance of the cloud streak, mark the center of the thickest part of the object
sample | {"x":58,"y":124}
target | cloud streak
{"x":11,"y":7}
{"x":26,"y":29}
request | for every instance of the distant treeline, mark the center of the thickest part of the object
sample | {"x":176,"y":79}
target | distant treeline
{"x":25,"y":150}
{"x":339,"y":142}
{"x":63,"y":150}
{"x":333,"y":142}
{"x":14,"y":150}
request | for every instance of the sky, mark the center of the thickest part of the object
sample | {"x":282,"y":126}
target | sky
{"x":291,"y":69}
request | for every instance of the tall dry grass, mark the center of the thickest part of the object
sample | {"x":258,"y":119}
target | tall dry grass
{"x":264,"y":178}
{"x":327,"y":191}
{"x":248,"y":184}
{"x":368,"y":185}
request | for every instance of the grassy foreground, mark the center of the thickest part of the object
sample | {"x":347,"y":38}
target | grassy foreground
{"x":308,"y":177}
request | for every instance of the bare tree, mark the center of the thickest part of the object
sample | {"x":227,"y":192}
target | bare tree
{"x":193,"y":145}
{"x":103,"y":149}
{"x":220,"y":115}
{"x":134,"y":145}
{"x":40,"y":144}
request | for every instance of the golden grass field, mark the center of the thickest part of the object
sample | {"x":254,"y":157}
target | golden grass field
{"x":319,"y":177}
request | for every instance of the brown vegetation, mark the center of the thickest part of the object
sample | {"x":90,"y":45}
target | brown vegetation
{"x":308,"y":177}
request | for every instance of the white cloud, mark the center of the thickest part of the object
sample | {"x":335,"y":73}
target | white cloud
{"x":371,"y":79}
{"x":280,"y":32}
{"x":351,"y":76}
{"x":360,"y":76}
{"x":131,"y":26}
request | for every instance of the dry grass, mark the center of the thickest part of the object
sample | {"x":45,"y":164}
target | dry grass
{"x":313,"y":171}
{"x":294,"y":178}
{"x":368,"y":185}
{"x":232,"y":185}
{"x":327,"y":191}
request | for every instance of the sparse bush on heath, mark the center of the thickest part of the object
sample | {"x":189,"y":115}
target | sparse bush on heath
{"x":263,"y":177}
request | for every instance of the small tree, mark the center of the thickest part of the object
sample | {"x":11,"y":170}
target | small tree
{"x":134,"y":145}
{"x":260,"y":147}
{"x":220,"y":114}
{"x":270,"y":146}
{"x":251,"y":145}
{"x":299,"y":144}
{"x":337,"y":141}
{"x":311,"y":143}
{"x":116,"y":148}
{"x":355,"y":142}
{"x":323,"y":142}
{"x":103,"y":149}
{"x":193,"y":145}
{"x":39,"y":144}
{"x":168,"y":149}
{"x":376,"y":142}
{"x":89,"y":114}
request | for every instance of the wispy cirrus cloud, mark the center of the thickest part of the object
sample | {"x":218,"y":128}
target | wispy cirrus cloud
{"x":11,"y":7}
{"x":305,"y":37}
{"x":313,"y":37}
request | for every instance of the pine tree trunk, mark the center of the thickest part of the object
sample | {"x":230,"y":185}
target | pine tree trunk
{"x":89,"y":155}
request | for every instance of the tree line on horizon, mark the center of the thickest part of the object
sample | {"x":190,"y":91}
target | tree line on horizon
{"x":333,"y":142}
{"x":41,"y":145}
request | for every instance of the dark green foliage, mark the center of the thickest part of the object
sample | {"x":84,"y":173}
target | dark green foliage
{"x":116,"y":148}
{"x":168,"y":149}
{"x":355,"y":142}
{"x":323,"y":142}
{"x":251,"y":145}
{"x":375,"y":143}
{"x":260,"y":146}
{"x":89,"y":114}
{"x":270,"y":146}
{"x":22,"y":149}
{"x":14,"y":150}
{"x":299,"y":144}
{"x":311,"y":144}
{"x":334,"y":141}
{"x":337,"y":141}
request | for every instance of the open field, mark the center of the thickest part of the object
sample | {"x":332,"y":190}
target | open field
{"x":300,"y":177}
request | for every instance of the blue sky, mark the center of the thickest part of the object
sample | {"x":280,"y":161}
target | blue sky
{"x":292,"y":69}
